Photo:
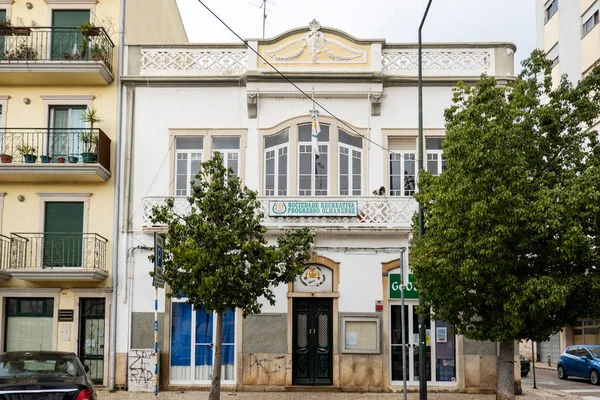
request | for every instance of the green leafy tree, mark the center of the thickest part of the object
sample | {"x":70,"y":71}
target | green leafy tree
{"x":217,"y":254}
{"x":510,"y":250}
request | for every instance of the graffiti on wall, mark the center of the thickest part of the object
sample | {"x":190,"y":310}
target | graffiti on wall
{"x":140,"y":370}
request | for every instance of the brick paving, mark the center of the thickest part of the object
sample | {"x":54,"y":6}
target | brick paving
{"x":528,"y":394}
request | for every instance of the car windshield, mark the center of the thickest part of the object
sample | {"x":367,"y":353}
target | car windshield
{"x":43,"y":365}
{"x":595,"y":351}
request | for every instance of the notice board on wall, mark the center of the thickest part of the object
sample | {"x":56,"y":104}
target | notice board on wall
{"x":361,"y":335}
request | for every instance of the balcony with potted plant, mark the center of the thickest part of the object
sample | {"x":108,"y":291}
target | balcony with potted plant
{"x":55,"y":154}
{"x":33,"y":55}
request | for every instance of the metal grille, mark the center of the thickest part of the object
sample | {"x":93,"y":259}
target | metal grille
{"x":323,"y":340}
{"x":302,"y":330}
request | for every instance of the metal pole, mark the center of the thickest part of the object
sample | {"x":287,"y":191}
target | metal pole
{"x":156,"y":341}
{"x":422,"y":332}
{"x":533,"y":358}
{"x":403,"y":323}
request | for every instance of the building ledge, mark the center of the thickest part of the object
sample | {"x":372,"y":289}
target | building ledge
{"x":58,"y":274}
{"x":4,"y":276}
{"x":53,"y":172}
{"x":55,"y":73}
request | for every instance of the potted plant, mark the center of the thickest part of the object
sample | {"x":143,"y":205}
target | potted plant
{"x":6,"y":158}
{"x":5,"y":27}
{"x":88,"y":30}
{"x":27,"y":152}
{"x":98,"y":52}
{"x":45,"y":159}
{"x":22,"y":52}
{"x":90,"y":138}
{"x":61,"y":160}
{"x":73,"y":159}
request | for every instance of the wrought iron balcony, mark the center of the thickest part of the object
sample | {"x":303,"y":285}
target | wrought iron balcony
{"x":52,"y":153}
{"x":52,"y":50}
{"x":56,"y":256}
{"x":340,"y":212}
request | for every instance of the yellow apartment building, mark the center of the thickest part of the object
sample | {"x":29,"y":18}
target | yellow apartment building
{"x":568,"y":31}
{"x":58,"y":130}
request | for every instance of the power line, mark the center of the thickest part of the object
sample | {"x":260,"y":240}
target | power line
{"x":296,"y":86}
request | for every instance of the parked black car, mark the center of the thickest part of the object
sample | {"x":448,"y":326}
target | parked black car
{"x":44,"y":375}
{"x":525,"y":366}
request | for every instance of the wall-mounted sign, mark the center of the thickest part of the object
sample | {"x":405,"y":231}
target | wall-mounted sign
{"x":158,"y":279}
{"x":410,"y":292}
{"x":314,"y":278}
{"x":65,"y":315}
{"x":313,"y":208}
{"x":378,"y":305}
{"x":441,"y":335}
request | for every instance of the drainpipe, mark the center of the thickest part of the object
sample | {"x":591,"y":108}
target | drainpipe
{"x":117,"y":205}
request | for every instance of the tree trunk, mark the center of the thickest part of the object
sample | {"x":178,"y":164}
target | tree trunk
{"x":505,"y":366}
{"x":215,"y":385}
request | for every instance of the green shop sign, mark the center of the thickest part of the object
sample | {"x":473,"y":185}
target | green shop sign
{"x":313,"y":208}
{"x":410,"y":292}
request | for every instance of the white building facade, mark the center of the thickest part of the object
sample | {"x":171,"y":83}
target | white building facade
{"x":339,"y":324}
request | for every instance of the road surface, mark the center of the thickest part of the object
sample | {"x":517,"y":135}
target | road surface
{"x":573,"y":386}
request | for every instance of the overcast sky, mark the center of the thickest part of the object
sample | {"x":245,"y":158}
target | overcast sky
{"x":393,"y":20}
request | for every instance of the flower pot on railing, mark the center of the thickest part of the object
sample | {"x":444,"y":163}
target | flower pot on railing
{"x":45,"y":159}
{"x":89,"y":158}
{"x":73,"y":159}
{"x":21,"y":31}
{"x":5,"y":158}
{"x":29,"y":158}
{"x":61,"y":160}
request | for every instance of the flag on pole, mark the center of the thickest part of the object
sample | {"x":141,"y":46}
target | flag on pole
{"x":316,"y":129}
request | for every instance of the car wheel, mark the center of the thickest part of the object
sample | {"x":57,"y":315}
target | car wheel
{"x":524,"y":374}
{"x":561,"y":372}
{"x":595,"y":377}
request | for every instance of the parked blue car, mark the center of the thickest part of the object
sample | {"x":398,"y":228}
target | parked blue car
{"x":582,"y":361}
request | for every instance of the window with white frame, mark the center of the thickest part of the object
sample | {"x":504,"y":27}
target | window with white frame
{"x":188,"y":156}
{"x":313,"y":169}
{"x":403,"y":168}
{"x":551,"y":9}
{"x":436,"y":163}
{"x":229,"y":147}
{"x":192,"y":337}
{"x":276,"y":164}
{"x":590,"y":23}
{"x":350,"y":157}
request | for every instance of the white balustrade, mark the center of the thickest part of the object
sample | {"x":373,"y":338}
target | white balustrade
{"x":373,"y":212}
{"x":193,"y":62}
{"x":438,"y":62}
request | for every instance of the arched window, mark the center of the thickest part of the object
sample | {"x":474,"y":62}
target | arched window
{"x":276,"y":164}
{"x":350,"y":171}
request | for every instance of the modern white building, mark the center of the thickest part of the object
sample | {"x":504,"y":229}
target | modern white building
{"x":568,"y":32}
{"x":339,"y":324}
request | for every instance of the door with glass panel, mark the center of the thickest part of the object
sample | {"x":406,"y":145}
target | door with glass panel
{"x":67,"y":41}
{"x":313,"y":170}
{"x":192,"y":344}
{"x":188,"y":157}
{"x":91,"y":336}
{"x":63,"y":244}
{"x":64,"y":138}
{"x":440,"y":347}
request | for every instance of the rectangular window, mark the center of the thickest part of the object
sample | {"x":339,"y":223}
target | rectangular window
{"x":551,"y":9}
{"x":312,"y":169}
{"x":29,"y":324}
{"x":188,"y":156}
{"x":229,"y":147}
{"x":2,"y":37}
{"x":276,"y":164}
{"x":192,"y":349}
{"x":590,"y":23}
{"x":436,"y":163}
{"x":403,"y":169}
{"x":350,"y":172}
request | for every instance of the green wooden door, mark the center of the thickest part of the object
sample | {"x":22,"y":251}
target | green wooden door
{"x":63,"y":234}
{"x":2,"y":38}
{"x":67,"y":41}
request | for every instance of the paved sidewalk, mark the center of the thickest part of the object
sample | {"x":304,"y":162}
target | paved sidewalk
{"x":528,"y":394}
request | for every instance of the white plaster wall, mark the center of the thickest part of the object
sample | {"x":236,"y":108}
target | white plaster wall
{"x":570,"y":39}
{"x":400,"y":106}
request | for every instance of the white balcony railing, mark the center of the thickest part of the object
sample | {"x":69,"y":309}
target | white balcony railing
{"x":365,"y":212}
{"x":438,"y":62}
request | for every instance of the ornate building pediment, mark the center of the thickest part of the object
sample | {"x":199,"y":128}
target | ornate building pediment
{"x":317,"y":48}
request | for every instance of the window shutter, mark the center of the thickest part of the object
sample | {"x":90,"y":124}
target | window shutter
{"x":402,"y":143}
{"x":64,"y":217}
{"x":74,"y":18}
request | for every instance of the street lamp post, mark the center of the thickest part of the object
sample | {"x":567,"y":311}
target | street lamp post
{"x":422,"y":332}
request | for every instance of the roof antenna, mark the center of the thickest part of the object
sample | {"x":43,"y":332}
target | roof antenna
{"x":263,"y":5}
